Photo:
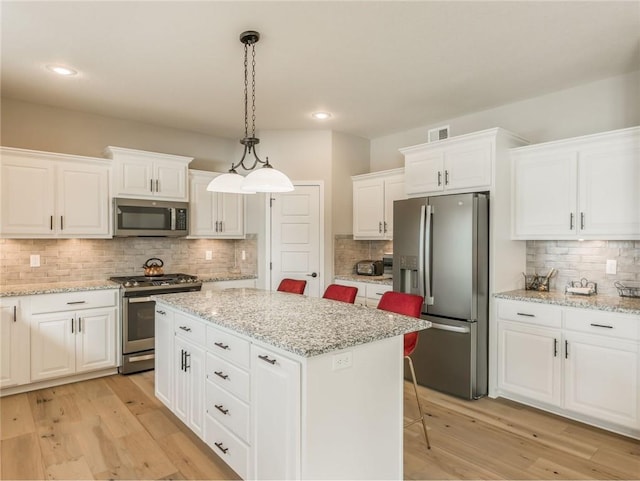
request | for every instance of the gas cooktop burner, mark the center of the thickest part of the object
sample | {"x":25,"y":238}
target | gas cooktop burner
{"x":159,"y":281}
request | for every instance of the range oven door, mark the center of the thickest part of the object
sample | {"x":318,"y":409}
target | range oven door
{"x":138,"y":324}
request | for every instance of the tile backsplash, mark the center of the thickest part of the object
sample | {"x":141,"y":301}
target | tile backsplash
{"x":92,"y":259}
{"x":575,"y":260}
{"x":348,"y":252}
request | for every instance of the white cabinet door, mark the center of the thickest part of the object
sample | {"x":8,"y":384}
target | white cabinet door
{"x":27,"y":196}
{"x":424,"y":171}
{"x":601,"y":378}
{"x":83,"y":200}
{"x":53,"y":345}
{"x":467,"y":166}
{"x":368,"y":208}
{"x":133,"y":177}
{"x":529,"y":362}
{"x":609,"y":193}
{"x":275,"y":406}
{"x":180,"y":380}
{"x":544,"y":195}
{"x":393,"y":190}
{"x":170,"y":180}
{"x":230,"y":210}
{"x":164,"y":361}
{"x":188,"y":400}
{"x":14,"y":344}
{"x":214,"y":215}
{"x":95,"y":339}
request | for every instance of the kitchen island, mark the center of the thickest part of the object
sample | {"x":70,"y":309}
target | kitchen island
{"x":282,"y":386}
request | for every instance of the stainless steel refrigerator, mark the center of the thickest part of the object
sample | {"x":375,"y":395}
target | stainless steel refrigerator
{"x":441,"y":252}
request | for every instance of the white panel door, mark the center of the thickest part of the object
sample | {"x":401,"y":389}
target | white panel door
{"x":14,"y":344}
{"x":96,"y":339}
{"x":134,"y":177}
{"x":53,"y":345}
{"x":231,"y":215}
{"x":424,"y":172}
{"x":170,"y":180}
{"x":393,"y":190}
{"x":295,"y":238}
{"x":468,"y":166}
{"x":368,"y":208}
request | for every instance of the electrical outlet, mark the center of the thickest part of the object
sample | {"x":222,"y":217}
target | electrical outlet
{"x":34,"y":260}
{"x":208,"y":255}
{"x":612,"y":266}
{"x":342,"y":360}
{"x":244,"y":256}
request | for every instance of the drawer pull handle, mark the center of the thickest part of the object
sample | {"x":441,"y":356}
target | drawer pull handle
{"x":566,"y":349}
{"x":15,"y":313}
{"x":76,"y":302}
{"x":185,"y":328}
{"x":162,"y":313}
{"x":221,"y":375}
{"x":221,"y":409}
{"x":221,"y":345}
{"x":266,"y":359}
{"x":602,"y":325}
{"x":525,"y":314}
{"x":555,"y":348}
{"x":219,"y":446}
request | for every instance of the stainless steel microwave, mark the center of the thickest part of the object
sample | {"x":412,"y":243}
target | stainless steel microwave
{"x":150,"y":218}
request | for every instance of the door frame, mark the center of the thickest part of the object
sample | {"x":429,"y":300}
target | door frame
{"x":267,"y":237}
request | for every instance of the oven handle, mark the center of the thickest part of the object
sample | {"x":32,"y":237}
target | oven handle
{"x":146,"y":357}
{"x":134,"y":300}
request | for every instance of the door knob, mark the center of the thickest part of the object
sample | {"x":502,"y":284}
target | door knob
{"x":313,"y":274}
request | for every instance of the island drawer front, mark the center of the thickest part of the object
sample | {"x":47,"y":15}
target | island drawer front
{"x":190,"y":329}
{"x":603,"y":323}
{"x":232,"y":451}
{"x":228,"y":376}
{"x":530,"y":312}
{"x":73,"y":301}
{"x":227,"y":410}
{"x":229,"y":347}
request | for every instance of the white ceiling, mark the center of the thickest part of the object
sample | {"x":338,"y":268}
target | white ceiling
{"x":379,"y":67}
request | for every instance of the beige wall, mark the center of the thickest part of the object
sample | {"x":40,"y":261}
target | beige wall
{"x":39,"y":127}
{"x":600,"y":106}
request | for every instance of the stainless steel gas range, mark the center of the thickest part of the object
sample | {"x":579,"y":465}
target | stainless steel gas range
{"x":138,"y":315}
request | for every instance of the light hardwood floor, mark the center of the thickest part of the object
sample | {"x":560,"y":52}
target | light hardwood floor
{"x":114,"y":428}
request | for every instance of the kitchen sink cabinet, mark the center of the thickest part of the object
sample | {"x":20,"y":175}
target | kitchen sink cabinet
{"x":373,"y":197}
{"x":149,"y":175}
{"x":214,"y":214}
{"x":14,"y":342}
{"x":584,"y":188}
{"x":53,"y":195}
{"x":579,"y":363}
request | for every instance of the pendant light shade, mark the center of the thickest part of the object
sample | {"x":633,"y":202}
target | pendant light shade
{"x":231,"y":183}
{"x":266,"y":179}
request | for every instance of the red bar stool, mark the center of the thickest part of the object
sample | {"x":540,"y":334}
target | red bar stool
{"x":292,"y":285}
{"x":408,"y":305}
{"x":342,"y":293}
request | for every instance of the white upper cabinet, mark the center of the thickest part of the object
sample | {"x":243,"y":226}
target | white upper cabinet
{"x":143,"y":175}
{"x":458,"y":164}
{"x":582,"y":188}
{"x":214,"y":214}
{"x":53,"y":195}
{"x":373,"y":197}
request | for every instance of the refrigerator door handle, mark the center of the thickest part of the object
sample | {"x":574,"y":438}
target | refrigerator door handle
{"x":421,"y":251}
{"x":426,"y":265}
{"x":447,"y":327}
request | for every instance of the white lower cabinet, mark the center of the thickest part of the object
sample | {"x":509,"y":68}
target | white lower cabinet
{"x":14,"y":343}
{"x":163,"y":371}
{"x":188,"y":398}
{"x":369,"y":293}
{"x":275,"y":382}
{"x":581,"y":363}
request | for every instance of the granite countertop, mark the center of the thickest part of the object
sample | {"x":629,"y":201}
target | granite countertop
{"x":384,"y":279}
{"x":625,"y":305}
{"x":56,"y":287}
{"x":305,"y":326}
{"x":225,"y":277}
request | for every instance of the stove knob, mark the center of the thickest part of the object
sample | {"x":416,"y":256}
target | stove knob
{"x":135,"y":284}
{"x":127,"y":283}
{"x":182,"y":280}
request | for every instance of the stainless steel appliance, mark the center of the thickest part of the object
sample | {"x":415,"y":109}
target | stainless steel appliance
{"x":369,"y":268}
{"x":138,"y":315}
{"x":150,"y":218}
{"x":441,"y":252}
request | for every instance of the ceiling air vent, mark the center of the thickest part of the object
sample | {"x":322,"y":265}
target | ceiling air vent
{"x":439,"y":133}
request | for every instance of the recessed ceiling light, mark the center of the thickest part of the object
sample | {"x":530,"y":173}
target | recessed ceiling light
{"x":60,"y":70}
{"x":321,"y":115}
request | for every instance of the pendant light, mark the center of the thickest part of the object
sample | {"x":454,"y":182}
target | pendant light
{"x":266,"y":178}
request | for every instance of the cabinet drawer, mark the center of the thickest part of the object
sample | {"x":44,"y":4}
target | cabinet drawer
{"x":72,"y":301}
{"x":227,"y":410}
{"x":191,"y":329}
{"x":375,"y":292}
{"x":232,"y":451}
{"x":228,"y":346}
{"x":530,"y":312}
{"x":228,"y":376}
{"x":603,"y":323}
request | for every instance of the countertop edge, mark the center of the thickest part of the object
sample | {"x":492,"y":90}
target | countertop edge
{"x":622,"y":305}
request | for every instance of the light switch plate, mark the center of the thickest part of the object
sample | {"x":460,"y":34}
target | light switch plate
{"x":34,"y":260}
{"x":611,"y":267}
